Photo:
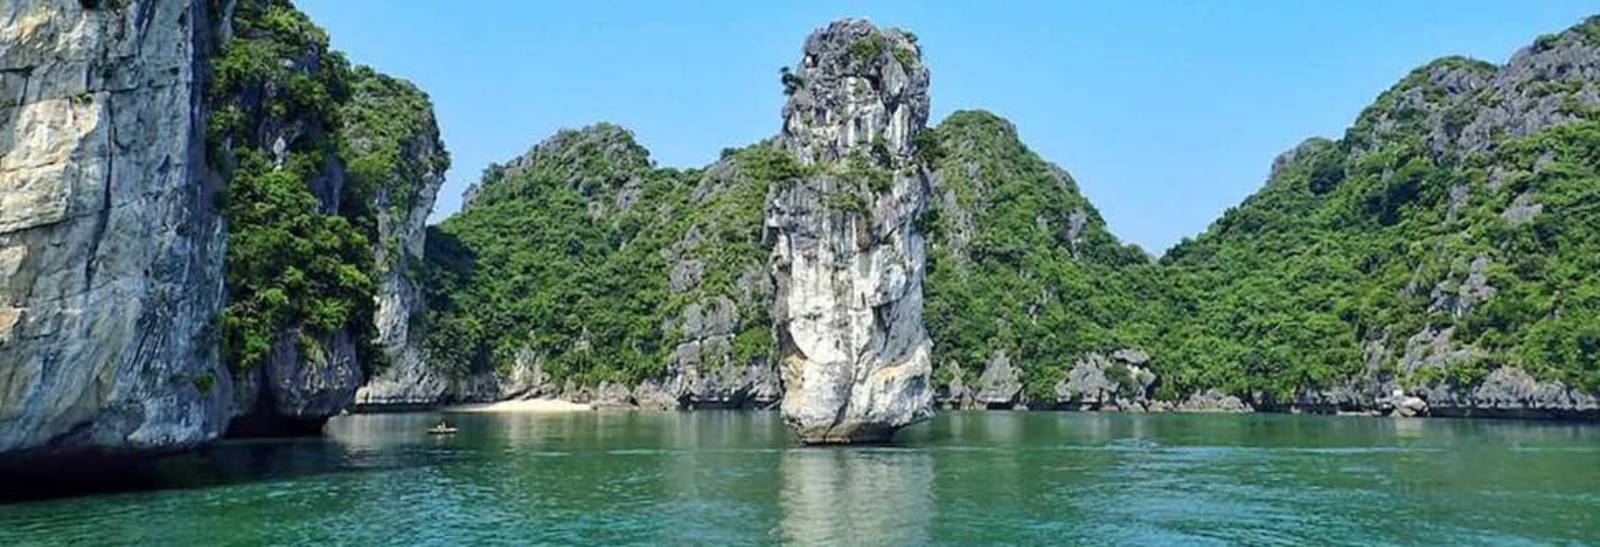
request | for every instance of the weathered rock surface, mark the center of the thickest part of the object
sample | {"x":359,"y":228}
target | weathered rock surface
{"x":956,"y":390}
{"x":295,"y":391}
{"x":110,"y":248}
{"x":1211,"y":401}
{"x":308,"y":376}
{"x":1000,"y":386}
{"x":848,"y":257}
{"x":402,"y":209}
{"x":1098,"y":382}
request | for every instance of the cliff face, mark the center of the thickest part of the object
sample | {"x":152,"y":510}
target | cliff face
{"x":331,"y":173}
{"x":299,"y":265}
{"x":391,"y":131}
{"x":848,"y":252}
{"x":131,"y":130}
{"x":110,"y":249}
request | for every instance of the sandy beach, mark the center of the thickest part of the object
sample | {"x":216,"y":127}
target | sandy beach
{"x":524,"y":405}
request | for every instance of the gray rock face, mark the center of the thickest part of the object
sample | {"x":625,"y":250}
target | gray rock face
{"x":1211,"y":401}
{"x":704,"y":371}
{"x":402,"y":211}
{"x":295,"y":391}
{"x":1098,"y":382}
{"x":1549,"y":83}
{"x":956,"y":392}
{"x":305,"y":379}
{"x":1468,"y":106}
{"x":848,"y":257}
{"x":1001,"y":383}
{"x":1509,"y":391}
{"x":110,"y":248}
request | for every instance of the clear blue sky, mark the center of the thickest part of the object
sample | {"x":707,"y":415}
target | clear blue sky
{"x":1167,"y":113}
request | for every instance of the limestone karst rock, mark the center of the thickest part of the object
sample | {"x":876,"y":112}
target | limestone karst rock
{"x":402,"y":207}
{"x":331,"y":171}
{"x":110,"y":246}
{"x":113,"y":282}
{"x":848,"y":255}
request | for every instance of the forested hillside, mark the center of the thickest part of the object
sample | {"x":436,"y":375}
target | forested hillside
{"x":582,"y":261}
{"x":1444,"y":246}
{"x":1443,"y":250}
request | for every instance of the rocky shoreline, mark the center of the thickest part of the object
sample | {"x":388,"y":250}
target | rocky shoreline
{"x":1118,"y":382}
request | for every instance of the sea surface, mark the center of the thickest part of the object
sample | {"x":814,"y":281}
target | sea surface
{"x":732,"y":478}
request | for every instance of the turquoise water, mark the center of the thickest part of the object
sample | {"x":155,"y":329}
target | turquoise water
{"x":964,"y":478}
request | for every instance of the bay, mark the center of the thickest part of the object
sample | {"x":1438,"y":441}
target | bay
{"x":732,"y":477}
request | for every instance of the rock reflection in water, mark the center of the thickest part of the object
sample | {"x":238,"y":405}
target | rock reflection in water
{"x":875,"y":496}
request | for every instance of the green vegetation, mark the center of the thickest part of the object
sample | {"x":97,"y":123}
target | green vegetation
{"x":548,"y":260}
{"x":1007,"y":270}
{"x":867,"y":48}
{"x":906,"y":57}
{"x":1354,"y":248}
{"x":791,"y":82}
{"x":1373,"y":239}
{"x":299,"y":257}
{"x":292,"y":264}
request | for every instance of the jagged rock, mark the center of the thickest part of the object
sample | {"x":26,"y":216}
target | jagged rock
{"x":295,"y":391}
{"x":1001,"y":384}
{"x":656,"y":395}
{"x":1410,"y":406}
{"x":1432,"y":348}
{"x":1096,"y":382}
{"x":848,"y":256}
{"x":1522,"y":210}
{"x":956,"y":393}
{"x":111,"y":247}
{"x":1471,"y":291}
{"x":404,"y":385}
{"x":402,"y":206}
{"x":1549,"y":83}
{"x":613,"y":395}
{"x":1212,"y":400}
{"x":1510,"y":391}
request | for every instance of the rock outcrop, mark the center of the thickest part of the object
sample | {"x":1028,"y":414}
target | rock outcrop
{"x":848,"y":255}
{"x":332,"y":171}
{"x":110,"y":247}
{"x":1098,"y":382}
{"x":402,"y":205}
{"x":1000,"y":385}
{"x":272,"y":134}
{"x":955,"y":390}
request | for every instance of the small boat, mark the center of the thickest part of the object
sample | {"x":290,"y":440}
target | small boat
{"x":441,"y":429}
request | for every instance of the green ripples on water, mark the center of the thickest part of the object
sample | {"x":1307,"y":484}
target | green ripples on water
{"x":964,"y":478}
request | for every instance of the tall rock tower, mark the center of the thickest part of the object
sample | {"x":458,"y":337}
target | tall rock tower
{"x":848,"y":252}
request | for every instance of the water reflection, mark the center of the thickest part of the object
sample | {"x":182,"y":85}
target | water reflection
{"x":848,"y":495}
{"x":714,"y":478}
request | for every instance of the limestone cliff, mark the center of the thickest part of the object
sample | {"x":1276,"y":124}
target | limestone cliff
{"x":299,"y":291}
{"x":390,"y":127}
{"x":110,"y":248}
{"x":331,"y":172}
{"x":848,"y":252}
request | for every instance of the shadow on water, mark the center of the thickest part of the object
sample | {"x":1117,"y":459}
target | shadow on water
{"x":346,"y":446}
